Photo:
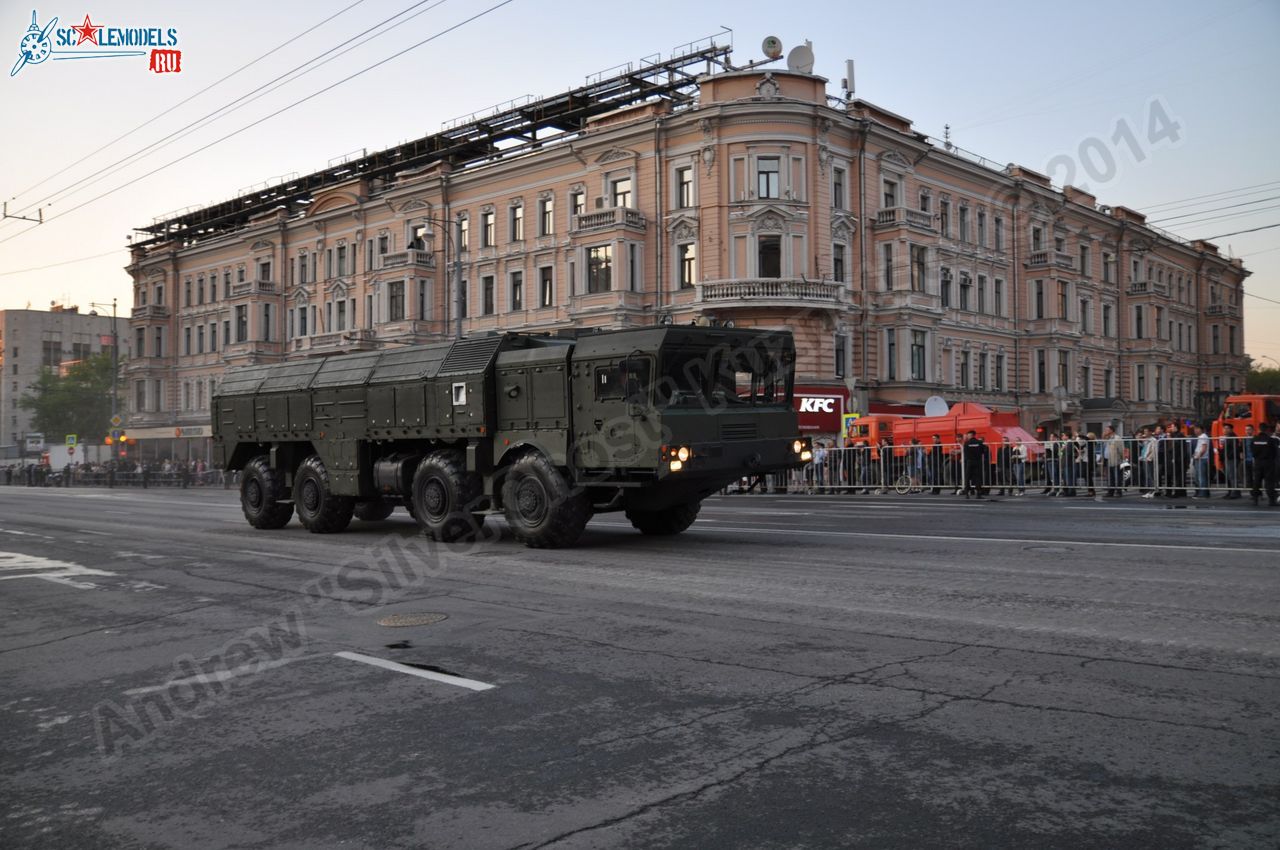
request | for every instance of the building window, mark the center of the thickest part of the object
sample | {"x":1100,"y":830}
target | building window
{"x":966,"y":365}
{"x":264,"y":268}
{"x":890,"y":193}
{"x":1215,"y":339}
{"x":186,"y":293}
{"x":919,"y":267}
{"x":998,"y":302}
{"x":917,"y":355}
{"x":999,"y":233}
{"x":1064,"y":298}
{"x":944,"y":218}
{"x":464,"y":234}
{"x":546,"y":216}
{"x":926,"y":201}
{"x":600,"y":268}
{"x":266,"y":322}
{"x":1142,"y":383}
{"x":944,"y":286}
{"x":157,"y":350}
{"x":1064,"y":369}
{"x":769,"y":256}
{"x":964,"y":224}
{"x":983,"y":364}
{"x":1159,"y":383}
{"x":1108,"y":383}
{"x":486,"y":229}
{"x":837,"y":188}
{"x":1037,"y":238}
{"x":982,"y":293}
{"x":1086,"y":381}
{"x":1042,"y":376}
{"x":1231,"y":340}
{"x":684,"y":188}
{"x":395,"y":303}
{"x":687,"y":256}
{"x":186,"y":340}
{"x":487,"y":295}
{"x":768,"y":177}
{"x":517,"y":290}
{"x":546,"y":287}
{"x":841,"y":354}
{"x":462,"y":299}
{"x":1038,"y":288}
{"x":242,"y":323}
{"x":515,"y":222}
{"x":577,"y":202}
{"x":887,"y":251}
{"x":982,"y":229}
{"x":1139,"y":331}
{"x":838,"y":262}
{"x":1085,"y":270}
{"x":1086,"y":316}
{"x":200,"y":290}
{"x":966,"y":291}
{"x":891,"y":353}
{"x":1106,"y":320}
{"x":997,"y":378}
{"x":620,"y":190}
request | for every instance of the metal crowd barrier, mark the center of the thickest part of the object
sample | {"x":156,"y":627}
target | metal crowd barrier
{"x":1164,"y":467}
{"x":37,"y":476}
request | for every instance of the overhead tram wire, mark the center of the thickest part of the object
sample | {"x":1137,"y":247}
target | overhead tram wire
{"x":241,"y":101}
{"x":63,"y":263}
{"x":1243,"y":190}
{"x":1222,"y":216}
{"x":1215,"y":209}
{"x":275,"y":114}
{"x":182,"y":102}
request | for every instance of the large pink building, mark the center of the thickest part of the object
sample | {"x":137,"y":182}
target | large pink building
{"x":904,"y":268}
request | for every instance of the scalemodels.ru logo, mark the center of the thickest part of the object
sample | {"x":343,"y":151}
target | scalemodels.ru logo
{"x":97,"y":41}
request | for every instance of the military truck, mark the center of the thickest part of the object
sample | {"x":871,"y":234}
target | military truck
{"x":547,"y":430}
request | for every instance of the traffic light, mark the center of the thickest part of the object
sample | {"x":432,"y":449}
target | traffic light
{"x":108,"y":441}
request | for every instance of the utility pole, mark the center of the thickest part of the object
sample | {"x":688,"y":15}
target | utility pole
{"x":457,"y":278}
{"x":115,"y":361}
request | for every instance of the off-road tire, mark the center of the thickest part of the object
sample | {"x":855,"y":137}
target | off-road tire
{"x":443,"y":492}
{"x":541,"y":507}
{"x":373,"y":510}
{"x":666,"y":521}
{"x":319,"y":510}
{"x":261,"y":491}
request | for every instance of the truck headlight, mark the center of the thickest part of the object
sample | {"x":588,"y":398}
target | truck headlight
{"x":682,"y":454}
{"x":806,"y":455}
{"x":677,"y":465}
{"x":797,"y":446}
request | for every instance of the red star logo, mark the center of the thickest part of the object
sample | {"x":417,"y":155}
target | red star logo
{"x":87,"y":31}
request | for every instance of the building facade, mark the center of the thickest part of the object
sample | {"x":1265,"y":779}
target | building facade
{"x":904,"y":268}
{"x":35,"y":341}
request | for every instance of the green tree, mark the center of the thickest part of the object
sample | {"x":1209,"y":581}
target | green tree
{"x":76,"y":403}
{"x":1263,"y":380}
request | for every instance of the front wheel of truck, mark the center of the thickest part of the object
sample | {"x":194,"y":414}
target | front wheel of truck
{"x":665,"y":521}
{"x":319,"y":510}
{"x":541,"y":507}
{"x":261,"y":490}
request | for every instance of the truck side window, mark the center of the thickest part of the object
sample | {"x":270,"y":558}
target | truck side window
{"x":627,"y":379}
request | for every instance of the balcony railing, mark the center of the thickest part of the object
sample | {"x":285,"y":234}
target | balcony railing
{"x":361,"y":339}
{"x":769,"y":290}
{"x":895,"y":216}
{"x":1147,"y":287}
{"x":151,"y":311}
{"x":251,"y":287}
{"x":1222,"y":310}
{"x":607,"y":218}
{"x":411,"y":257}
{"x":1055,"y":327}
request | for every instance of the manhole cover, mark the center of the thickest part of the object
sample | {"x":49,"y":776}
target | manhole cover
{"x":399,"y":620}
{"x":1049,"y":549}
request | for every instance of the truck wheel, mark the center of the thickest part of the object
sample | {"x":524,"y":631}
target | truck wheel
{"x":541,"y":507}
{"x":260,"y":493}
{"x":373,"y":510}
{"x":443,"y":491}
{"x":319,"y":510}
{"x":672,"y":520}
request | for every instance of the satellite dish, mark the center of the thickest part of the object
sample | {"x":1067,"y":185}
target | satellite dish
{"x":771,"y":46}
{"x":936,"y":405}
{"x":800,"y":59}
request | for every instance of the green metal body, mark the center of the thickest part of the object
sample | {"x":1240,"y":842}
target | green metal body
{"x":597,"y":407}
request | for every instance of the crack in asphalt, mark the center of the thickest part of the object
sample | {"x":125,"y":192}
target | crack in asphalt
{"x":108,"y":628}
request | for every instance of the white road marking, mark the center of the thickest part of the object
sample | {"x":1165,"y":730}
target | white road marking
{"x":221,"y":675}
{"x":58,"y":572}
{"x":960,"y":539}
{"x":469,"y":684}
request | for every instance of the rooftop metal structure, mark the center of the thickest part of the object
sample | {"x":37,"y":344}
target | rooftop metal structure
{"x":461,"y":141}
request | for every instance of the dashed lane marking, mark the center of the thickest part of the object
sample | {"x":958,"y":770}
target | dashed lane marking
{"x":458,"y":681}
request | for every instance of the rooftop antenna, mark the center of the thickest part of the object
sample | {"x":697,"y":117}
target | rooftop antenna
{"x":800,"y":59}
{"x":771,"y":47}
{"x":946,"y":137}
{"x":847,"y":82}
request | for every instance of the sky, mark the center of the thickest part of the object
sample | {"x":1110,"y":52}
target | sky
{"x":1166,"y":107}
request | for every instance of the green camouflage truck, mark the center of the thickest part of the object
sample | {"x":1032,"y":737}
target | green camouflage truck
{"x":547,"y":430}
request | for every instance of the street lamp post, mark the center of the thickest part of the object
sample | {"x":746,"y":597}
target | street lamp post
{"x":453,"y":244}
{"x":115,"y":359}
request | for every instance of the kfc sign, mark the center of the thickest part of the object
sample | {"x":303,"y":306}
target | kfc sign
{"x":819,"y":409}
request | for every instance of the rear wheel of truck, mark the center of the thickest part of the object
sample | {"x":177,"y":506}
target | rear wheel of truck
{"x":373,"y":510}
{"x":261,"y":489}
{"x":319,"y":510}
{"x":443,"y":495}
{"x":672,"y":520}
{"x":541,"y":507}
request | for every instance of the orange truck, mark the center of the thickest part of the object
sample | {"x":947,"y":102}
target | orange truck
{"x":992,"y":426}
{"x":1241,"y":410}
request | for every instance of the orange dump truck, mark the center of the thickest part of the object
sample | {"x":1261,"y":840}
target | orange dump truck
{"x":1241,"y":410}
{"x":992,"y":426}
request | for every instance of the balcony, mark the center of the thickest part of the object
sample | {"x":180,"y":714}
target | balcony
{"x":151,"y":312}
{"x":764,"y":292}
{"x":1222,"y":311}
{"x":334,"y":343}
{"x":252,"y":351}
{"x":1146,"y":287}
{"x":607,"y":219}
{"x":412,"y":257}
{"x":900,"y":216}
{"x":253,"y":287}
{"x":1051,"y":259}
{"x":907,"y":300}
{"x":1053,"y":327}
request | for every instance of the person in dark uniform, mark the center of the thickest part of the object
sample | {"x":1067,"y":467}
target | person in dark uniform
{"x":975,"y":458}
{"x":1266,"y":450}
{"x":935,"y":464}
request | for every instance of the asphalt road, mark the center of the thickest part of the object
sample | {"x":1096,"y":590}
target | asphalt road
{"x":801,"y":671}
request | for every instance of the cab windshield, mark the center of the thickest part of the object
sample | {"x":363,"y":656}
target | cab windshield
{"x":760,"y":372}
